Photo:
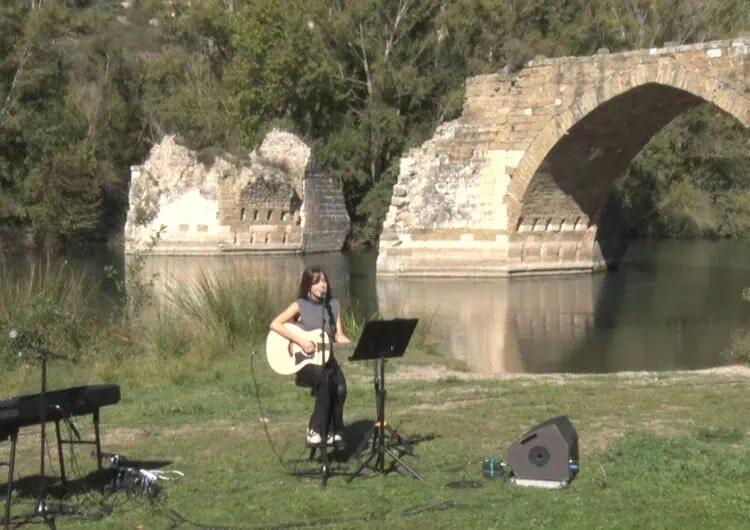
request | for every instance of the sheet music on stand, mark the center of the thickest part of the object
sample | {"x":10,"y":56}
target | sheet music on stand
{"x":381,"y":340}
{"x":384,"y":338}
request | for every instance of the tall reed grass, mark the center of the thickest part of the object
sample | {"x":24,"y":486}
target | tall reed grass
{"x":49,"y":305}
{"x":214,"y":310}
{"x":186,"y":327}
{"x":738,"y":351}
{"x":423,"y":339}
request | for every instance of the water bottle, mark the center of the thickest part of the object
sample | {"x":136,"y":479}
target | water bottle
{"x":492,"y":468}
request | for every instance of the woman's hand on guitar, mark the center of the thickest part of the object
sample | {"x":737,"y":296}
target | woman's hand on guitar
{"x":308,"y":346}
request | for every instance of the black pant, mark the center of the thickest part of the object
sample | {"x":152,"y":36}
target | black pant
{"x":325,"y":395}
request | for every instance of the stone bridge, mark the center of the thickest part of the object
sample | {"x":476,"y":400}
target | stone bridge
{"x":519,"y":184}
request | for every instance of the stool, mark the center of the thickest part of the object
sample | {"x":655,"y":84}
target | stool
{"x":325,"y":465}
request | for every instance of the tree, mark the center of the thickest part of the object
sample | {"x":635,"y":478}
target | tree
{"x":275,"y":73}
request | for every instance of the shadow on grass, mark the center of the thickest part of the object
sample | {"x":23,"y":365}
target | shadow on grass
{"x":358,"y":448}
{"x":27,"y":488}
{"x":97,"y":480}
{"x":358,"y":436}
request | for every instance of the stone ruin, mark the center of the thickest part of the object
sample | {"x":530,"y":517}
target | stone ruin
{"x":276,"y":201}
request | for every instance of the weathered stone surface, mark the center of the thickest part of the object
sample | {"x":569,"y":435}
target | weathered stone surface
{"x":536,"y":153}
{"x":276,"y":201}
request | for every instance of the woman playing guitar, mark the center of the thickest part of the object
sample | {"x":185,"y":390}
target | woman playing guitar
{"x":317,"y":310}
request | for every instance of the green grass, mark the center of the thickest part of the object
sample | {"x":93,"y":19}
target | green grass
{"x":655,"y":452}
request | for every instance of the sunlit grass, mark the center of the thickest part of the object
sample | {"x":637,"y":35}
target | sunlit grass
{"x":636,"y":449}
{"x":738,"y":351}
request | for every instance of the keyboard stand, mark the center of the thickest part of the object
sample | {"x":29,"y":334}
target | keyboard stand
{"x":13,"y":440}
{"x":97,"y":443}
{"x":13,"y":434}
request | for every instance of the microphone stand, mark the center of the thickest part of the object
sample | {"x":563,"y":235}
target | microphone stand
{"x":42,"y":509}
{"x":325,"y":466}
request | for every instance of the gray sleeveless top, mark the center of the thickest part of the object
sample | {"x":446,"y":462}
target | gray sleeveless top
{"x":313,"y":315}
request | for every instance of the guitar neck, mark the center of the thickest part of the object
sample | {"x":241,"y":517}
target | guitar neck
{"x":336,"y":345}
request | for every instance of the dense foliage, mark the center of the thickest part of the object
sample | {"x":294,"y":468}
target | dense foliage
{"x":87,"y":86}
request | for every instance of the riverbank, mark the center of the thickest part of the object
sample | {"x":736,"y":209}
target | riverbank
{"x":674,"y":445}
{"x":660,"y":449}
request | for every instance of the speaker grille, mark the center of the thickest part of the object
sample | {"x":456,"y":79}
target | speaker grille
{"x":539,"y":456}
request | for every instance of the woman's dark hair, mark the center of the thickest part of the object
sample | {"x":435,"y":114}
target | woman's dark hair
{"x":310,"y":276}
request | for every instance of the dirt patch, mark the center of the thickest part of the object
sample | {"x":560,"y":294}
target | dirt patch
{"x":661,"y":427}
{"x":122,"y":436}
{"x":435,"y":372}
{"x":252,"y":429}
{"x":601,"y":440}
{"x":445,"y":405}
{"x":737,"y":370}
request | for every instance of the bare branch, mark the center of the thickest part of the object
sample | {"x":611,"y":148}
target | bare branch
{"x":92,"y":122}
{"x":24,"y":59}
{"x":366,"y":65}
{"x":401,"y":11}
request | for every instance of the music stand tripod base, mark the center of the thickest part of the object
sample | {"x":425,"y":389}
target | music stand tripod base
{"x":381,"y":340}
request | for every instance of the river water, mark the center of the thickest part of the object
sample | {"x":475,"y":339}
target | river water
{"x":670,"y":305}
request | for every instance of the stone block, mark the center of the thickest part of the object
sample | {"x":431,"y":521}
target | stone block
{"x":568,"y":251}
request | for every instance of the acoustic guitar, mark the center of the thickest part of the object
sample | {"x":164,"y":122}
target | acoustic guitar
{"x":286,"y":357}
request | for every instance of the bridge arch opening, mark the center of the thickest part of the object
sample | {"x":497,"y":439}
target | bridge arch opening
{"x":571,"y":168}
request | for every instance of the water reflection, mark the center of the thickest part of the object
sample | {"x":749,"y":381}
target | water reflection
{"x":527,"y":325}
{"x":92,"y":265}
{"x":281,"y":273}
{"x":671,"y":305}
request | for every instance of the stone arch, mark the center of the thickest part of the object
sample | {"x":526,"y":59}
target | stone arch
{"x":672,"y":77}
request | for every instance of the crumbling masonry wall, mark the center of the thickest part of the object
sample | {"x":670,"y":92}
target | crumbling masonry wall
{"x":279,"y":202}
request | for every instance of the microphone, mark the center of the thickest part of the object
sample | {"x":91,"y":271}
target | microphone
{"x":13,"y":335}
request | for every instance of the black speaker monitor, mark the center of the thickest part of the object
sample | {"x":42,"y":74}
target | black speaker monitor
{"x":548,"y":452}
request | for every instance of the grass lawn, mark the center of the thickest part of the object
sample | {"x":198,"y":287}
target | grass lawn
{"x":657,"y":450}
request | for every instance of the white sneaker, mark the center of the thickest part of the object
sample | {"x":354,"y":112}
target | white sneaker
{"x":313,"y":437}
{"x":334,"y":438}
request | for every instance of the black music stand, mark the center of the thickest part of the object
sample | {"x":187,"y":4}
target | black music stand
{"x":381,"y":340}
{"x":42,"y":510}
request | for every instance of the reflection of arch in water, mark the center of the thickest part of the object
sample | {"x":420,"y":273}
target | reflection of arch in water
{"x":672,"y":305}
{"x":552,"y":317}
{"x":495,"y":326}
{"x":468,"y":318}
